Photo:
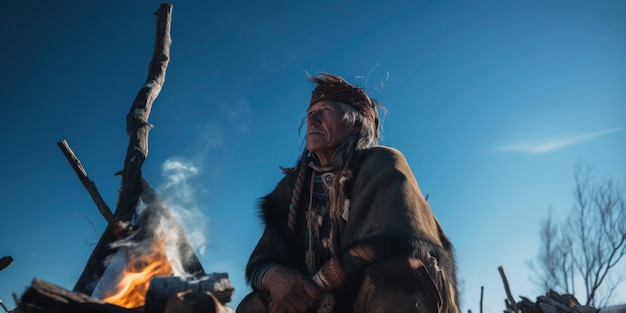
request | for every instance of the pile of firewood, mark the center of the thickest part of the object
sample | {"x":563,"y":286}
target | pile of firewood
{"x":552,"y":302}
{"x":208,"y":294}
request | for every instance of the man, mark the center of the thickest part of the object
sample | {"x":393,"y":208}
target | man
{"x":347,"y":229}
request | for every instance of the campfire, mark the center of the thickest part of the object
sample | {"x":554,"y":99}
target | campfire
{"x":143,"y":262}
{"x":154,"y":270}
{"x":157,"y":257}
{"x":157,"y":248}
{"x":132,"y":284}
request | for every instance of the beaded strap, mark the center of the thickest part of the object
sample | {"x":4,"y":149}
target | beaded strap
{"x":330,"y":276}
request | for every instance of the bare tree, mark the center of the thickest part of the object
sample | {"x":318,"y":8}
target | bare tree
{"x":588,"y":246}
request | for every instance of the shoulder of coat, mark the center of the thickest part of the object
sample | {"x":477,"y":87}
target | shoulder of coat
{"x":378,"y":153}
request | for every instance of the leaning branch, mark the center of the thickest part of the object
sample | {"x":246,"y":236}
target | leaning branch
{"x":88,"y":183}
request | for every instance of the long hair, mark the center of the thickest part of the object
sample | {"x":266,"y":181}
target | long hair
{"x":351,"y":148}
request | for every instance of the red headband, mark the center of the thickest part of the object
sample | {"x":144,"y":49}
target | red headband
{"x":334,"y":88}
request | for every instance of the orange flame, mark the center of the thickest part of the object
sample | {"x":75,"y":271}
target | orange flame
{"x":130,"y":291}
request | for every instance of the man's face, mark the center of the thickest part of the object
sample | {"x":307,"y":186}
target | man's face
{"x":325,"y":131}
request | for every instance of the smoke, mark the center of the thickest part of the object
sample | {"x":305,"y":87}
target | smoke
{"x":179,"y":194}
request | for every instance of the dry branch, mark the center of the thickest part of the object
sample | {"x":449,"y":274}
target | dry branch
{"x":482,"y":292}
{"x":507,"y":289}
{"x":137,"y":128}
{"x":89,"y":184}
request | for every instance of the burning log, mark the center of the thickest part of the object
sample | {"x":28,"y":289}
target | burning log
{"x":43,"y":297}
{"x":191,"y":302}
{"x":209,"y":293}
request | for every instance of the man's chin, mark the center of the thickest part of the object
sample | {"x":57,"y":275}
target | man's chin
{"x":313,"y":146}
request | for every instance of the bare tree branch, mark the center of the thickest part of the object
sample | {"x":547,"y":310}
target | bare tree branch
{"x":590,"y":244}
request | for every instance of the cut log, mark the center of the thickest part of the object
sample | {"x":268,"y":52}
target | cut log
{"x":555,"y":302}
{"x":191,"y":302}
{"x":43,"y":297}
{"x":552,"y":302}
{"x":549,"y":305}
{"x":565,"y":299}
{"x":162,"y":289}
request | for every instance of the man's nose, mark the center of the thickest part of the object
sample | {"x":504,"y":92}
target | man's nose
{"x":313,"y":118}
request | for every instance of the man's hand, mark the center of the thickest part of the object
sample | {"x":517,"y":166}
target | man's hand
{"x":290,"y":290}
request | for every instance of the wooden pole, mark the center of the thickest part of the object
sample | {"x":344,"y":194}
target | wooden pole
{"x":137,"y":128}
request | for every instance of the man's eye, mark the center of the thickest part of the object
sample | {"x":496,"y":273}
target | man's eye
{"x":327,"y":111}
{"x":320,"y":111}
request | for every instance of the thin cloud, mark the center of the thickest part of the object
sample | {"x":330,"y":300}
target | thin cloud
{"x":545,"y":147}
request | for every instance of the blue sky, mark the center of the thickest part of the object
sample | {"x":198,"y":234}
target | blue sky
{"x":493,"y":103}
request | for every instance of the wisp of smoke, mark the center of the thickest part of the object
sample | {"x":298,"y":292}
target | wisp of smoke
{"x":179,"y":195}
